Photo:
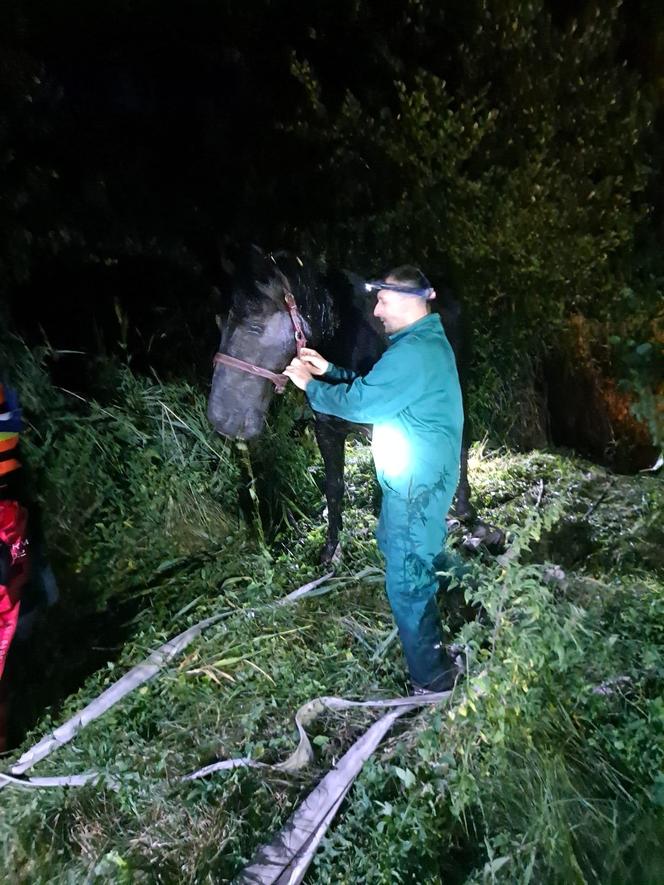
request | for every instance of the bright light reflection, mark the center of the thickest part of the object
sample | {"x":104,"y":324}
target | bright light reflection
{"x":391,"y":450}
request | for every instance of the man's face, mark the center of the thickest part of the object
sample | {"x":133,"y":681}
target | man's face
{"x":393,"y":310}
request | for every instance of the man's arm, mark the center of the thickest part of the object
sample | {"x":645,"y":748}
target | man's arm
{"x":394,"y":383}
{"x":338,"y":373}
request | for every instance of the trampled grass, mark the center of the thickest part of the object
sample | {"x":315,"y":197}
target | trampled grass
{"x":547,"y":766}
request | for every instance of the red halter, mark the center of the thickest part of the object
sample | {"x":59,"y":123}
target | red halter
{"x":278,"y":380}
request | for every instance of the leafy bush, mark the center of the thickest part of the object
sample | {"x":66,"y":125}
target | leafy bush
{"x":546,"y":767}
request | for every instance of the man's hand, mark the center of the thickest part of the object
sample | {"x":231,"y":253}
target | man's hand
{"x":299,"y":373}
{"x":316,"y":363}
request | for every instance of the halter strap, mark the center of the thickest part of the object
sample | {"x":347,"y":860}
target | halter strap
{"x":279,"y":380}
{"x":296,"y":320}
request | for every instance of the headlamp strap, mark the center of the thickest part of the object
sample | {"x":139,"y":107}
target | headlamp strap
{"x":427,"y":292}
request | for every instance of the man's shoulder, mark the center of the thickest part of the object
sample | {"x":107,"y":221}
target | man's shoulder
{"x":411,"y":346}
{"x":427,"y":338}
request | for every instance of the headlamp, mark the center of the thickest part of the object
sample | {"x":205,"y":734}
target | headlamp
{"x":427,"y":292}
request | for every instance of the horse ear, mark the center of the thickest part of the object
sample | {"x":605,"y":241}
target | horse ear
{"x":257,"y":259}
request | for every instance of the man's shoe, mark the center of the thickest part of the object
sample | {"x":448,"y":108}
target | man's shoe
{"x":445,"y":682}
{"x":458,"y":657}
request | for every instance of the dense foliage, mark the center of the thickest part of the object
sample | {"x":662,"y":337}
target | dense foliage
{"x":546,"y":767}
{"x":515,"y":165}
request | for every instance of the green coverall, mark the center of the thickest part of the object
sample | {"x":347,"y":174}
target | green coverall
{"x":413,"y":398}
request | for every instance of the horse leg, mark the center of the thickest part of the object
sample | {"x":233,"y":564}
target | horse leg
{"x":463,"y":508}
{"x":331,"y":437}
{"x":489,"y":536}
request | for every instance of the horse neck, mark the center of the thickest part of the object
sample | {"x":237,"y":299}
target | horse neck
{"x":320,"y":309}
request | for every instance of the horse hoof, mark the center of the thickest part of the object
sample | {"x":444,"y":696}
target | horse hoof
{"x":453,"y":525}
{"x":490,"y":537}
{"x":331,"y":553}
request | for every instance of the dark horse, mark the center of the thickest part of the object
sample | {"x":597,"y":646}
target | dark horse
{"x":337,"y":318}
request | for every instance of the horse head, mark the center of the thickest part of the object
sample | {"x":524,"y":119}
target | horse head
{"x":259,"y":331}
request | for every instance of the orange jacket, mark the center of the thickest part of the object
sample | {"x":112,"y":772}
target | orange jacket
{"x":13,"y":542}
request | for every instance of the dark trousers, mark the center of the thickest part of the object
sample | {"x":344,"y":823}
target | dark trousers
{"x":411,"y":535}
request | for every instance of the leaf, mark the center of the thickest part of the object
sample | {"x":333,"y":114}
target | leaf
{"x":657,"y":791}
{"x":406,"y":776}
{"x":491,"y":868}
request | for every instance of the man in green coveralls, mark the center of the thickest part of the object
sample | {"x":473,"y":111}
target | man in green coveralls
{"x":413,"y":399}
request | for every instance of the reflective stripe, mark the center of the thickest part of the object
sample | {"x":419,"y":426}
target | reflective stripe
{"x":10,"y":412}
{"x":8,"y":466}
{"x":8,"y":441}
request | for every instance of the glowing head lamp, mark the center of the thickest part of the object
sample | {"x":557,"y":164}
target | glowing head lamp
{"x":427,"y":292}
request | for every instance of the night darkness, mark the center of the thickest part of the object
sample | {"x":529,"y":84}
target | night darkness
{"x":149,"y":134}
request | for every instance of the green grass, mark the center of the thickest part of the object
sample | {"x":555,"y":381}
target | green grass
{"x":547,"y":768}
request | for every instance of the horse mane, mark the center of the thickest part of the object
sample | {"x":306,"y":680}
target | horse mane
{"x":319,"y":297}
